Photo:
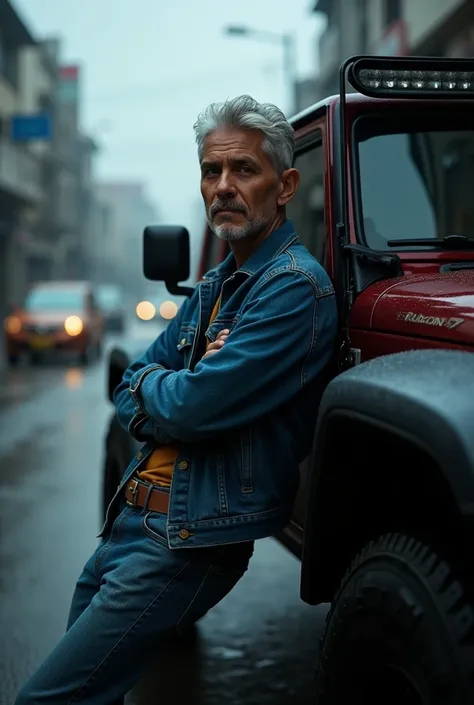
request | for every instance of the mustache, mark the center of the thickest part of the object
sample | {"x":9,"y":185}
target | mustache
{"x":226,"y":206}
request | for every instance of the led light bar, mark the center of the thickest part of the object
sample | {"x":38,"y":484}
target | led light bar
{"x":408,"y":78}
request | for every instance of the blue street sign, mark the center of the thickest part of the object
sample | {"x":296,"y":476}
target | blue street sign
{"x":25,"y":128}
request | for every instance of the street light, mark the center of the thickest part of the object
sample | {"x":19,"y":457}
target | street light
{"x":287,"y":41}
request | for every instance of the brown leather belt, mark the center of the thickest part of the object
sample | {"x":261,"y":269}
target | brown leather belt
{"x":136,"y":493}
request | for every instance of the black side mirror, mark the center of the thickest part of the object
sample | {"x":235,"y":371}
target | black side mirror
{"x":166,"y":256}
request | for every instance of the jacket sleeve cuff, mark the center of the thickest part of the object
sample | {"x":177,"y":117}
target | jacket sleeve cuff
{"x":142,"y":427}
{"x":137,"y":425}
{"x":136,"y":381}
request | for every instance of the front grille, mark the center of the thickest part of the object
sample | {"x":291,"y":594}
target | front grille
{"x":40,"y":329}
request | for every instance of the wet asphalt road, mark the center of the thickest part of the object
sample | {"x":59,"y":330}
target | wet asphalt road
{"x":257,"y":646}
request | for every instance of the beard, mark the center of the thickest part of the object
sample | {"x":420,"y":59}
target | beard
{"x":230,"y":231}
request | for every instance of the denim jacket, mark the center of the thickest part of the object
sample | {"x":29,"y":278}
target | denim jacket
{"x":244,"y":417}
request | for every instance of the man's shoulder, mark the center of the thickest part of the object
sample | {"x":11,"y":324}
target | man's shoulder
{"x":300,"y":262}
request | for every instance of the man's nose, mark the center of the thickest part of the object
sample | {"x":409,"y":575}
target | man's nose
{"x":225,"y":185}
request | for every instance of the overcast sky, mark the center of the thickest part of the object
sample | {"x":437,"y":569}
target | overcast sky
{"x":149,"y":67}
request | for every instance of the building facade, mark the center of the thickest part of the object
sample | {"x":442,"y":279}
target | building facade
{"x":74,"y":180}
{"x":21,"y":192}
{"x":306,"y":92}
{"x":130,"y":211}
{"x":98,"y":228}
{"x":391,"y":28}
{"x":50,"y":218}
{"x":37,"y":111}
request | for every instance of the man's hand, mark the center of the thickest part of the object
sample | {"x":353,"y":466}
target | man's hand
{"x":217,"y":344}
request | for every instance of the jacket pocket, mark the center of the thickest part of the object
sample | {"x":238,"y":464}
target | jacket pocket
{"x":187,"y":337}
{"x":246,"y":474}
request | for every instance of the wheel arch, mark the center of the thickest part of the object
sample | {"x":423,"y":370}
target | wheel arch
{"x":390,"y":455}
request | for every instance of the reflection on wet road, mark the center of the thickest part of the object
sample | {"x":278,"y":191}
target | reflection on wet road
{"x":258,"y":646}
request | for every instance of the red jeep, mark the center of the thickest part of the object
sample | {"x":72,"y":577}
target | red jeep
{"x":384,"y":520}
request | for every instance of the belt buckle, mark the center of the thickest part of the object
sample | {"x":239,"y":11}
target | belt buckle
{"x":134,"y":493}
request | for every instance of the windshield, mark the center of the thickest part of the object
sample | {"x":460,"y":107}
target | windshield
{"x":414,"y":184}
{"x":54,"y":300}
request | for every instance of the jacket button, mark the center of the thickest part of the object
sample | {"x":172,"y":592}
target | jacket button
{"x":184,"y":534}
{"x":139,"y":455}
{"x":183,"y":465}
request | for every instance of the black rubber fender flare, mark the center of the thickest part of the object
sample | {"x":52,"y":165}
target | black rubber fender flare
{"x":423,"y":396}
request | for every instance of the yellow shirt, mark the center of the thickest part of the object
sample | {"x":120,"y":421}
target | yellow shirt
{"x":160,"y":464}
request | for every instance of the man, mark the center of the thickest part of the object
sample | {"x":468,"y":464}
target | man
{"x":225,"y":400}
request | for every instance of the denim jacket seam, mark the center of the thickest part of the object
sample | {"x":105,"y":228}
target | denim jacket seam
{"x":290,"y":240}
{"x":286,"y":245}
{"x":294,"y":266}
{"x":243,"y":518}
{"x":136,"y":422}
{"x":134,"y":391}
{"x":140,"y":419}
{"x":320,"y":291}
{"x":270,"y":274}
{"x":314,"y":338}
{"x":314,"y":330}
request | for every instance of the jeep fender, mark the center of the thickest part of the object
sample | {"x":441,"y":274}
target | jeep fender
{"x":394,"y":450}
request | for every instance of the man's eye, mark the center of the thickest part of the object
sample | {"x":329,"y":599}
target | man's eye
{"x":246,"y":169}
{"x":211,"y":171}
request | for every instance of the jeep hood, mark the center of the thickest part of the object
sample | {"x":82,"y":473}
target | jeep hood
{"x":437,"y":306}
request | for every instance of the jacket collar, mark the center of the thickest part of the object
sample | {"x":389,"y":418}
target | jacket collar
{"x":270,"y":248}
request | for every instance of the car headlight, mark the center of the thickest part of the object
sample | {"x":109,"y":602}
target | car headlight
{"x":168,"y":310}
{"x":73,"y":325}
{"x":145,"y":310}
{"x":12,"y":324}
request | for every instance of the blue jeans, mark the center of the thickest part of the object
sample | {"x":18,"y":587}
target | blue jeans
{"x":133,"y":591}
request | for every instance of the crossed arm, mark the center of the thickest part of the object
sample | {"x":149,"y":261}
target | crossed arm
{"x":282,"y":340}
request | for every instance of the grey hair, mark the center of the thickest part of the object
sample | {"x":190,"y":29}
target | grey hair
{"x":245,"y":112}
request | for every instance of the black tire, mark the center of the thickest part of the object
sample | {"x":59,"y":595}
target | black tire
{"x":13,"y":360}
{"x":400,"y":624}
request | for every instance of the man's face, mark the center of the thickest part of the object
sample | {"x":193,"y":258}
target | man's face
{"x":239,"y":184}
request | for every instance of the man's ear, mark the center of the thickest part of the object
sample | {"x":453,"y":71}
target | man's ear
{"x":289,"y":182}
